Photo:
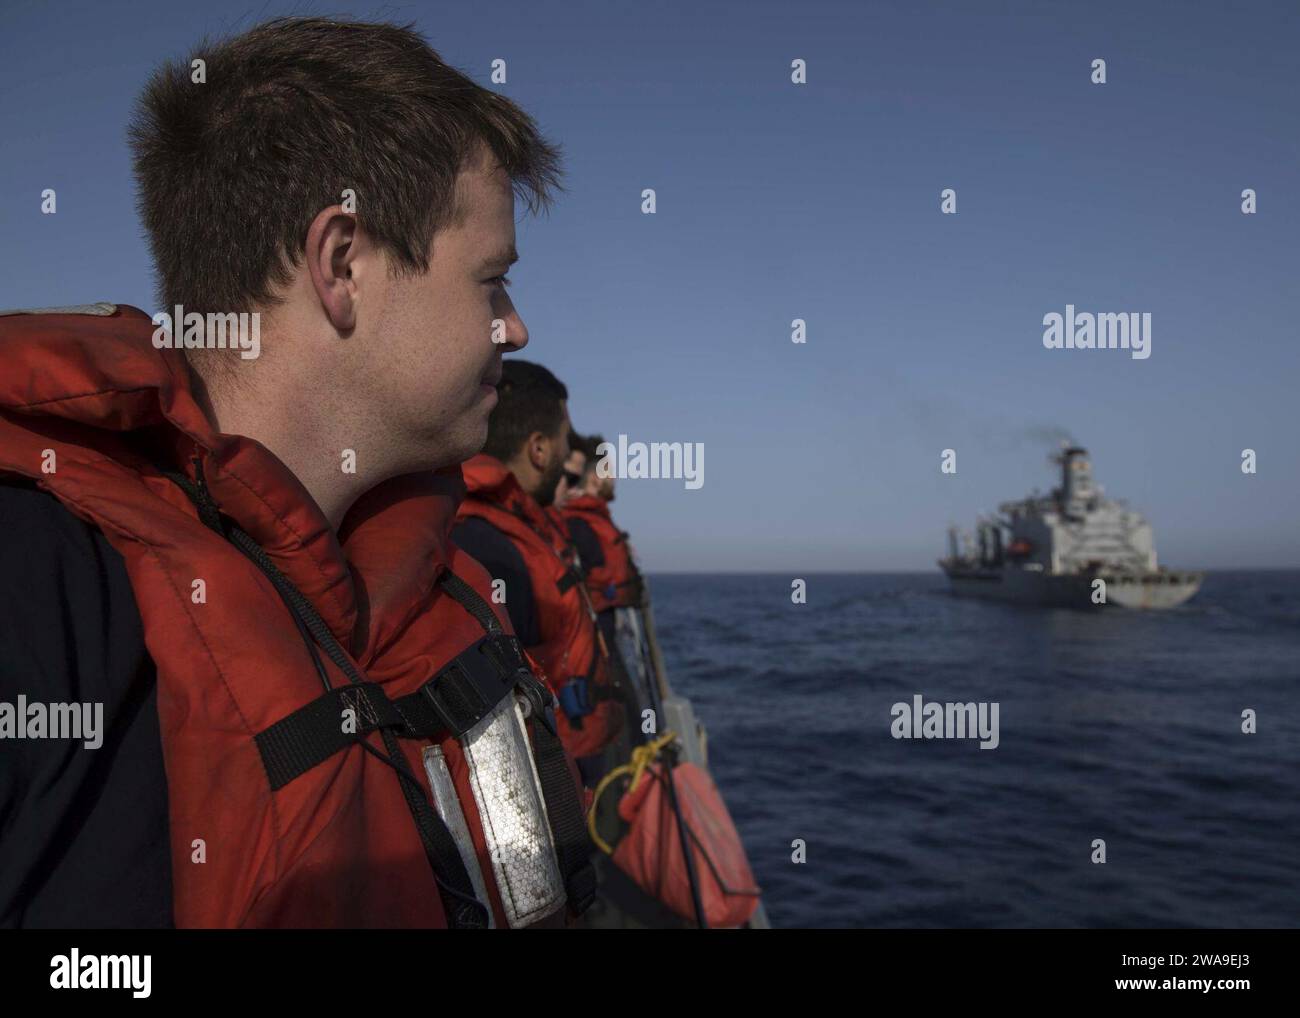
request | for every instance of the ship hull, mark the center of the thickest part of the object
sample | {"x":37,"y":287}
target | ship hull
{"x":1169,"y":591}
{"x":1148,"y":591}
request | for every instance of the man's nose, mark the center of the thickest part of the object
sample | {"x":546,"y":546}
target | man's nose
{"x":516,"y":332}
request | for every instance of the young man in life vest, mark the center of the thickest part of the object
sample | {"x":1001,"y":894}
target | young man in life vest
{"x":612,"y":577}
{"x":246,"y":679}
{"x":504,"y":524}
{"x":607,"y":565}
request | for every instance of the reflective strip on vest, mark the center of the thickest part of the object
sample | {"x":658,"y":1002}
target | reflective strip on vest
{"x":507,"y":790}
{"x":447,"y":803}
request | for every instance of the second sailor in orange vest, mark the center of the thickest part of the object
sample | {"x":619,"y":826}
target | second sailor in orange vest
{"x":503,"y":523}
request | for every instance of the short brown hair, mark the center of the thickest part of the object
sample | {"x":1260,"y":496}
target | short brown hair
{"x":529,"y":399}
{"x":232,"y":171}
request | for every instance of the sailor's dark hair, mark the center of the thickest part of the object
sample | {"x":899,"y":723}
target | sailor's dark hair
{"x":231,"y":171}
{"x":577,"y":443}
{"x":589,"y":445}
{"x":528,"y":401}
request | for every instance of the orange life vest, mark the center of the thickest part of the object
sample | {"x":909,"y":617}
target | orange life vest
{"x":617,"y":582}
{"x":275,"y":823}
{"x":572,"y":647}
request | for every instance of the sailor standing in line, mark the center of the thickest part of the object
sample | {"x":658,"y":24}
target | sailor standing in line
{"x":608,"y":564}
{"x":503,"y":523}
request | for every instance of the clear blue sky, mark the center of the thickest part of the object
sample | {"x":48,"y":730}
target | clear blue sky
{"x":821,"y":202}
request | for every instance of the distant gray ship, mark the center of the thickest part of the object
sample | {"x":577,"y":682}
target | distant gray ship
{"x":1051,"y":550}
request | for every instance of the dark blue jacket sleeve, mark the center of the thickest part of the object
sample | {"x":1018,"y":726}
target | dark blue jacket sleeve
{"x":83,"y":831}
{"x":587,"y":543}
{"x":497,"y":554}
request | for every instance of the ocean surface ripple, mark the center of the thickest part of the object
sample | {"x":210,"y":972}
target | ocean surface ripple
{"x":1123,"y":726}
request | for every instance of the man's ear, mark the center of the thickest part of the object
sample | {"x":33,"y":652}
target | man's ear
{"x":538,"y":448}
{"x":331,"y":249}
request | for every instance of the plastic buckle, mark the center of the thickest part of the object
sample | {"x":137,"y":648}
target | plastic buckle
{"x":576,"y":698}
{"x":479,"y":682}
{"x":541,"y":701}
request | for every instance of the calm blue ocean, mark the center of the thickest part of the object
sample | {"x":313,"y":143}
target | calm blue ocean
{"x":1117,"y":725}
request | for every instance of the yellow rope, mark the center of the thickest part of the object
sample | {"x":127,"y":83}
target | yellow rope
{"x":642,"y":757}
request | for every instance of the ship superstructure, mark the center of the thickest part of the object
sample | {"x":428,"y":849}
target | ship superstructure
{"x":1052,"y":549}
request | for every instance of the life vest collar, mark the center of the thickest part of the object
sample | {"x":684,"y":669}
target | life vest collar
{"x":588,"y":504}
{"x":100,"y":376}
{"x":489,"y":480}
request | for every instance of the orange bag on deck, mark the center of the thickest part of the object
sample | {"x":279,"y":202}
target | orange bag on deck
{"x":650,"y":853}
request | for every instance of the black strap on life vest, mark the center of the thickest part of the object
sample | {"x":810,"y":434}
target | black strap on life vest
{"x":569,"y":580}
{"x":451,"y":703}
{"x":460,"y":903}
{"x":465,"y":691}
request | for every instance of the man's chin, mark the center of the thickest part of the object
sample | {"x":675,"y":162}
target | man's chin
{"x":467,"y":440}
